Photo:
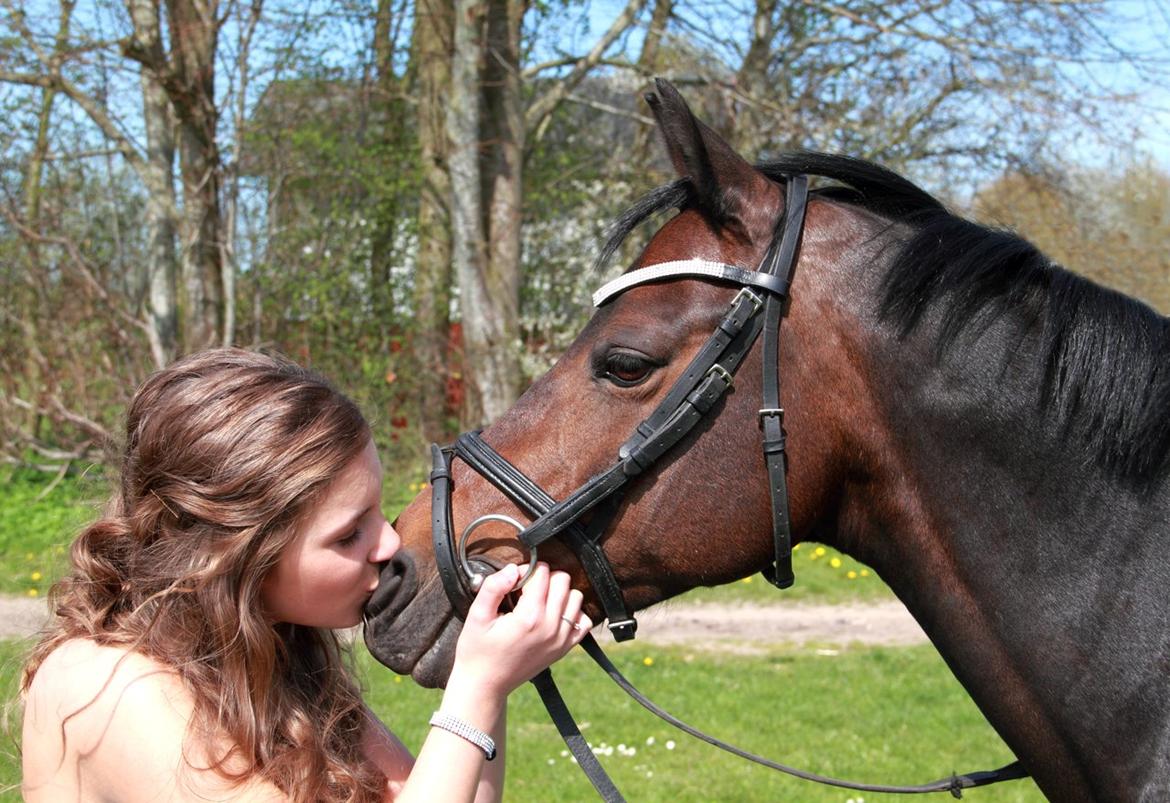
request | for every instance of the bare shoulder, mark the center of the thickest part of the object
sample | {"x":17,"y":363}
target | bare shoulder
{"x":104,"y":722}
{"x":81,"y":673}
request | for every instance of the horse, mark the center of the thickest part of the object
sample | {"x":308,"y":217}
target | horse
{"x":985,"y":429}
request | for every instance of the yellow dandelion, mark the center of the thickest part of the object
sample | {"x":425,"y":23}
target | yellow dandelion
{"x":852,"y":575}
{"x":648,"y":661}
{"x":835,"y":563}
{"x":746,"y":580}
{"x":820,"y":552}
{"x":32,"y":592}
{"x":398,"y":678}
{"x":29,"y":556}
{"x":35,"y":576}
{"x":795,"y":548}
{"x":865,"y":572}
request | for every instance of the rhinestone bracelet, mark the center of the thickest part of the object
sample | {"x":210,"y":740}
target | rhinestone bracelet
{"x":460,"y":728}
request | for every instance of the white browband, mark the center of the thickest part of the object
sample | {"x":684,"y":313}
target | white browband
{"x":698,"y":268}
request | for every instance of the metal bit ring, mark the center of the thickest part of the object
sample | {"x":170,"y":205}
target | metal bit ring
{"x":476,"y":578}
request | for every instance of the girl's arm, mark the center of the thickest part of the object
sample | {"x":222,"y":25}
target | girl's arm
{"x":495,"y":654}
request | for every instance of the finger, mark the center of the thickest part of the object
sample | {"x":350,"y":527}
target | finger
{"x":573,"y":605}
{"x":533,"y":596}
{"x":558,"y":593}
{"x":584,"y":625}
{"x":495,"y":587}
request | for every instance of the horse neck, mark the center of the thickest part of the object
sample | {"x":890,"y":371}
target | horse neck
{"x":1034,"y":570}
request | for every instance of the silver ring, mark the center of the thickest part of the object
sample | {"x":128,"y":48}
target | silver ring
{"x":477,"y":578}
{"x":571,"y":623}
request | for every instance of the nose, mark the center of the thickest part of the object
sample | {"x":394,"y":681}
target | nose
{"x":386,"y":545}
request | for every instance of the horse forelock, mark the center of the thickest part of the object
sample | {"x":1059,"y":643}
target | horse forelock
{"x":1106,"y":357}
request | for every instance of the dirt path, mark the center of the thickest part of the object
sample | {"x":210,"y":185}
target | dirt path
{"x":21,"y":616}
{"x":746,"y":628}
{"x":739,"y":627}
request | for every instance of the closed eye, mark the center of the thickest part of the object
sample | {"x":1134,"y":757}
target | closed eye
{"x":349,"y":539}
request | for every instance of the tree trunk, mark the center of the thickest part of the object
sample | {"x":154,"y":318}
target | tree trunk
{"x":498,"y":378}
{"x":431,"y":56}
{"x":161,"y":270}
{"x":649,"y":63}
{"x":194,"y":29}
{"x":468,"y":241}
{"x":752,"y":81}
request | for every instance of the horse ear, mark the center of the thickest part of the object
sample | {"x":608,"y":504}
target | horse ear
{"x":723,"y":180}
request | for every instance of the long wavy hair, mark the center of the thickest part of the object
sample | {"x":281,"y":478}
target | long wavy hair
{"x":226,"y":452}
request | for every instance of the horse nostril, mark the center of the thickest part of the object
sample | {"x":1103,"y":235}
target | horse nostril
{"x":396,"y":585}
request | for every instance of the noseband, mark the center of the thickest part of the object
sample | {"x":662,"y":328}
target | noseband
{"x":757,"y":307}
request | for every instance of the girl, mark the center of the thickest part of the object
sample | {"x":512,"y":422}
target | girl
{"x":191,"y":654}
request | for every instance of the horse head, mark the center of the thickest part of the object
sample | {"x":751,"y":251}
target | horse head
{"x":701,"y":515}
{"x":983,"y":428}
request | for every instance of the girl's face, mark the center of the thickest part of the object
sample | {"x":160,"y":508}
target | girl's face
{"x":328,"y":571}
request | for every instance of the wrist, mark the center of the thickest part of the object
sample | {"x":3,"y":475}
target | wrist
{"x":472,"y":699}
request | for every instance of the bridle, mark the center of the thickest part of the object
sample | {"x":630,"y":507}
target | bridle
{"x":708,"y":376}
{"x":757,"y":308}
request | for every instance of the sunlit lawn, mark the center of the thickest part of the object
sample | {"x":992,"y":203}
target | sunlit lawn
{"x":876,"y":715}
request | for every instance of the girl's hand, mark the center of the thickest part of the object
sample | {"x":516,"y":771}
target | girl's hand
{"x":499,"y":652}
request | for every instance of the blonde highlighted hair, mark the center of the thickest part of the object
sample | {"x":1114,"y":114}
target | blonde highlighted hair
{"x":226,"y":452}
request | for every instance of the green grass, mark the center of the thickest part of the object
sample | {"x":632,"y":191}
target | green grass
{"x":874,"y":715}
{"x":823,"y":576}
{"x":37,"y":522}
{"x":11,"y":654}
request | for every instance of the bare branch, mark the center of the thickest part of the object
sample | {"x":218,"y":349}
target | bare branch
{"x":543,"y":106}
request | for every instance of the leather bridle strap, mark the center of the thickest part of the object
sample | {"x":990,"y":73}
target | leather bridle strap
{"x":772,"y":414}
{"x":533,"y":499}
{"x":529,"y":496}
{"x":446,"y":562}
{"x":705,"y":380}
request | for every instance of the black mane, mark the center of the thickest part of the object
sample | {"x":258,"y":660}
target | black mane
{"x":1106,"y":356}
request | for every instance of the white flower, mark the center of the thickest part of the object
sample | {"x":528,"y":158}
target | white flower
{"x":649,"y":740}
{"x":308,"y":249}
{"x":670,"y":744}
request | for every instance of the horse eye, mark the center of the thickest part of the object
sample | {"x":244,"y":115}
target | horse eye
{"x":625,"y":369}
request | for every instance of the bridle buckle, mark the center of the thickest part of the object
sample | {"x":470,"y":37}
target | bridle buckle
{"x":757,"y":302}
{"x":719,"y":370}
{"x":771,"y":411}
